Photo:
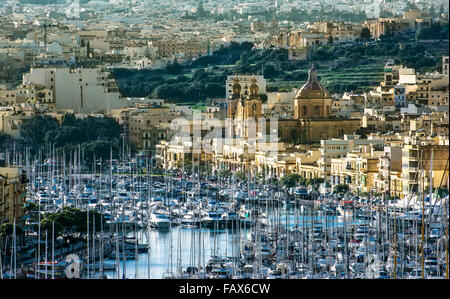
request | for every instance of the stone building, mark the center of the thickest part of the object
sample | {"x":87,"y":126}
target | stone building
{"x":312,"y":101}
{"x":243,"y":109}
{"x":12,"y":195}
{"x":313,"y":115}
{"x":422,"y":162}
{"x":245,"y":82}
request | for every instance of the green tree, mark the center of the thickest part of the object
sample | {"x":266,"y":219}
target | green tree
{"x":69,"y":119}
{"x":435,"y":31}
{"x":174,"y":68}
{"x":314,"y":181}
{"x":365,"y":33}
{"x":341,"y":188}
{"x":319,"y":181}
{"x":70,"y":220}
{"x":50,"y":227}
{"x":330,"y":40}
{"x":441,"y":192}
{"x":225,"y":173}
{"x":7,"y":229}
{"x":270,"y":71}
{"x":99,"y":149}
{"x":66,"y":135}
{"x":4,"y":138}
{"x":290,"y":180}
{"x":241,"y":175}
{"x":34,"y":129}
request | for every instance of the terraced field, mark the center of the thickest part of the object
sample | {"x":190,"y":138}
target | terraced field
{"x":365,"y":77}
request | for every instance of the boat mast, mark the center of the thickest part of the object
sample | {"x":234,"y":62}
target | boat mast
{"x":46,"y":260}
{"x":15,"y":247}
{"x":446,"y":237}
{"x":39,"y":223}
{"x":93,"y":244}
{"x":53,"y":249}
{"x":87,"y":244}
{"x":395,"y":243}
{"x":423,"y":220}
{"x":101,"y":246}
{"x":1,"y":264}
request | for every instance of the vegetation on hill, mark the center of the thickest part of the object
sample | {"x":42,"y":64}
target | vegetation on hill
{"x":93,"y":135}
{"x":356,"y":67}
{"x":437,"y":31}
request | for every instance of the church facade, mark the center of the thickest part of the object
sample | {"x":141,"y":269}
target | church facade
{"x":244,"y":109}
{"x":313,"y":116}
{"x":312,"y":119}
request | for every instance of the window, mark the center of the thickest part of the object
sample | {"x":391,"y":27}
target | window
{"x":305,"y":110}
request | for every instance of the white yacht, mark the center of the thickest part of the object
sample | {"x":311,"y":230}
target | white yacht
{"x":159,"y":220}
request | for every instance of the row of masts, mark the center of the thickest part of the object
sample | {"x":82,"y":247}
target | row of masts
{"x":197,"y":257}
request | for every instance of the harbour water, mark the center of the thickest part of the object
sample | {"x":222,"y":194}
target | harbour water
{"x":164,"y":245}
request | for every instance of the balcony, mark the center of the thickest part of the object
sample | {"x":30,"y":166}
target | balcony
{"x":412,"y":170}
{"x":413,"y":158}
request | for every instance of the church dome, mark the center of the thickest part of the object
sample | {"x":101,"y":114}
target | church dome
{"x":312,"y":88}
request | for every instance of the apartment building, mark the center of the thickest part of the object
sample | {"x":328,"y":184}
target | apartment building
{"x":258,"y":26}
{"x":147,"y":127}
{"x":432,"y":88}
{"x":34,"y":93}
{"x":399,"y":96}
{"x":445,"y":65}
{"x":358,"y":170}
{"x":422,"y":165}
{"x":410,"y":22}
{"x":339,"y":148}
{"x":12,"y":195}
{"x":81,"y":90}
{"x":301,"y":39}
{"x":7,"y":97}
{"x":389,"y":171}
{"x":187,"y":48}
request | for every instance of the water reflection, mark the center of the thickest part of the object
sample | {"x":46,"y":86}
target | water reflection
{"x":180,"y":245}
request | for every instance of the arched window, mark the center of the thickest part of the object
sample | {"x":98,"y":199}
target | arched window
{"x":305,"y":111}
{"x":317,"y":111}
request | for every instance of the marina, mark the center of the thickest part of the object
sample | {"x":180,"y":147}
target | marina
{"x":154,"y":223}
